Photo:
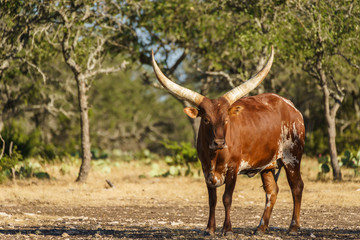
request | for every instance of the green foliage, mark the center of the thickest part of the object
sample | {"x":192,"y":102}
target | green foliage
{"x":146,"y":155}
{"x":99,"y":154}
{"x":183,"y":159}
{"x":351,"y":160}
{"x":324,"y":167}
{"x":29,"y":169}
{"x":157,"y":171}
{"x":182,"y":153}
{"x":230,"y":36}
{"x":316,"y":143}
{"x":348,"y":139}
{"x":8,"y":162}
{"x":22,"y":168}
{"x":27,"y":143}
{"x":139,"y":120}
{"x":49,"y":152}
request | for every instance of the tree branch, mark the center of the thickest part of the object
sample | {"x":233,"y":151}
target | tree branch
{"x":348,"y":60}
{"x":177,"y":63}
{"x":122,"y":66}
{"x":223,"y":74}
{"x":37,"y":68}
{"x":92,"y":60}
{"x":3,"y":147}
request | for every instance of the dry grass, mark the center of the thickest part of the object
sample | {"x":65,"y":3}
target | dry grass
{"x":145,"y":207}
{"x":128,"y":186}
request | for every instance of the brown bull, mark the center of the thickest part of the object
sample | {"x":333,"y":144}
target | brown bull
{"x":248,"y":135}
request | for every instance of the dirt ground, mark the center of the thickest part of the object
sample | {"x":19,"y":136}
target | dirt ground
{"x":168,"y":208}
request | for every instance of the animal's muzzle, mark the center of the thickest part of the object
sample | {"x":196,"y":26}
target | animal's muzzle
{"x":218,"y":143}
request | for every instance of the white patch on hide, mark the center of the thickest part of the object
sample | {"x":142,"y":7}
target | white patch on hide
{"x":243,"y":166}
{"x":217,"y":181}
{"x":286,"y":143}
{"x":214,"y":181}
{"x":268,"y":196}
{"x":292,"y":223}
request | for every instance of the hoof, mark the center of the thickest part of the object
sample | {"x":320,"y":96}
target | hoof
{"x":293,"y":230}
{"x":210,"y":233}
{"x":259,"y":232}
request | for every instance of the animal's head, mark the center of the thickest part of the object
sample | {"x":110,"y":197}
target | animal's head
{"x":214,"y":113}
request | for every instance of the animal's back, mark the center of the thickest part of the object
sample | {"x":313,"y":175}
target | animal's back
{"x":270,"y":128}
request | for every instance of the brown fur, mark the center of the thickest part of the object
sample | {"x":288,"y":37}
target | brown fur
{"x":248,"y":138}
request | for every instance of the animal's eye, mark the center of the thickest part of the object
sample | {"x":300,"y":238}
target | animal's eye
{"x":206,"y":121}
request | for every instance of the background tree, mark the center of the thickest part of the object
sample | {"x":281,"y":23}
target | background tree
{"x":81,"y":31}
{"x":205,"y":36}
{"x":213,"y":34}
{"x":326,"y":32}
{"x":208,"y":46}
{"x":21,"y":78}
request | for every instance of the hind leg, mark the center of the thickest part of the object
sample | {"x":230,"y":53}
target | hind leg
{"x":271,"y":189}
{"x":296,"y":184}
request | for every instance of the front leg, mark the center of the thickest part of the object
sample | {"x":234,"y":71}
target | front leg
{"x":211,"y":226}
{"x":230,"y":181}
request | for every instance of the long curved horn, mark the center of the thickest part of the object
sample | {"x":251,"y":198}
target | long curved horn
{"x":175,"y":89}
{"x":250,"y":84}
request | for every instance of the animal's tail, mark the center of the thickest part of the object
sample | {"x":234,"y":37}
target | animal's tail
{"x":280,"y":165}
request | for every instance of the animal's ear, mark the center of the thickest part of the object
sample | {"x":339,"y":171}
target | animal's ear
{"x":191,"y":112}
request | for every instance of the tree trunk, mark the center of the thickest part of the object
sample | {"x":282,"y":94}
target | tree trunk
{"x":332,"y":148}
{"x":85,"y":130}
{"x":13,"y":173}
{"x":330,"y":116}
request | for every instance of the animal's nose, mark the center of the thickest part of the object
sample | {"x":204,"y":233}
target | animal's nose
{"x":219,"y":142}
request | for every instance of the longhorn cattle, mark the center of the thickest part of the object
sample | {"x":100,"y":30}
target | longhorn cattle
{"x":246,"y":135}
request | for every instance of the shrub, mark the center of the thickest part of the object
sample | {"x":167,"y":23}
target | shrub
{"x":324,"y":167}
{"x":27,"y":143}
{"x":348,"y":159}
{"x":351,"y":160}
{"x":29,"y":169}
{"x":7,"y":162}
{"x":183,"y":159}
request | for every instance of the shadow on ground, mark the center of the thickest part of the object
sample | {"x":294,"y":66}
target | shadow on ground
{"x":173,"y":233}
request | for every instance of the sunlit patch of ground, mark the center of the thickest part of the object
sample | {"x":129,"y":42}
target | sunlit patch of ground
{"x":144,"y":207}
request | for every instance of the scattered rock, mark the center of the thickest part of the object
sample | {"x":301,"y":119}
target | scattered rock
{"x":29,"y":214}
{"x":114,"y":223}
{"x":3,"y":214}
{"x":177,"y":223}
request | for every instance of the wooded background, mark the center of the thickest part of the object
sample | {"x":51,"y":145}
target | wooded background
{"x":75,"y":76}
